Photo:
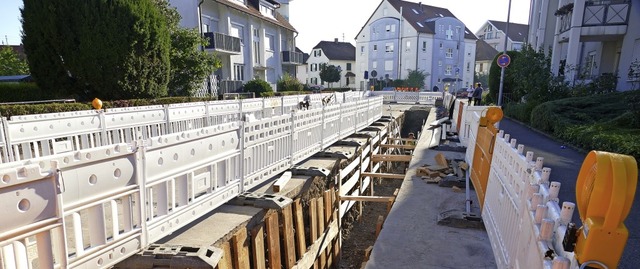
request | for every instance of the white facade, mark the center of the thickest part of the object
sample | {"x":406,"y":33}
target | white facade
{"x":495,"y":37}
{"x":318,"y":57}
{"x":587,"y":43}
{"x":266,"y":41}
{"x":393,"y":46}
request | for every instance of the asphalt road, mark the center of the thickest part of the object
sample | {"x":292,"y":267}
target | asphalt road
{"x":565,"y":164}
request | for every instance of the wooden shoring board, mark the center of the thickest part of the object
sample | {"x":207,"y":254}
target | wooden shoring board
{"x":337,"y":241}
{"x":365,"y":198}
{"x":328,"y":210}
{"x":397,"y":146}
{"x":287,"y":237}
{"x":383,"y":175}
{"x":403,"y":139}
{"x":313,"y":219}
{"x":273,"y":240}
{"x":318,"y":246}
{"x":226,"y":262}
{"x":390,"y":204}
{"x":323,"y":258}
{"x":391,"y":158}
{"x":301,"y":246}
{"x":257,"y":244}
{"x":240,"y":248}
{"x":379,"y":224}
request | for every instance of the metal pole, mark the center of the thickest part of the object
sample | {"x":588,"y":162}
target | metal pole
{"x":506,"y":38}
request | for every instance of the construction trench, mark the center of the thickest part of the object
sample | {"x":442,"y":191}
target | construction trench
{"x":325,"y":212}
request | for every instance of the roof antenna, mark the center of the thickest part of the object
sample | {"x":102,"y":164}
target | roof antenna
{"x":342,"y":37}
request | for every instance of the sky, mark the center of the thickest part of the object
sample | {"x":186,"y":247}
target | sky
{"x":325,"y":20}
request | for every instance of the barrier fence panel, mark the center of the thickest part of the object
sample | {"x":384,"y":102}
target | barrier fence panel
{"x":90,"y":188}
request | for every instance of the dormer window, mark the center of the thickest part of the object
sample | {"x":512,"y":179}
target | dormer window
{"x":267,"y":11}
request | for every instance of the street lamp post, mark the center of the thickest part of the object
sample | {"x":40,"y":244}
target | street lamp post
{"x":506,"y":38}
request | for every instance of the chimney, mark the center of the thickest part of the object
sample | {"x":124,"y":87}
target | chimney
{"x":421,"y":9}
{"x":335,"y":40}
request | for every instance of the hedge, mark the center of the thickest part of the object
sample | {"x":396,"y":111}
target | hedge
{"x":22,"y":92}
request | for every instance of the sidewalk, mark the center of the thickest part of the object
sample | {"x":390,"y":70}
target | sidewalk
{"x":411,"y":237}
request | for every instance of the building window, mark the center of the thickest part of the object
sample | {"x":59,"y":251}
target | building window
{"x":375,"y":47}
{"x":393,"y":28}
{"x":256,"y":52}
{"x":361,"y":49}
{"x":388,"y":65}
{"x":590,"y":64}
{"x":489,"y":28}
{"x":205,"y":28}
{"x":269,"y":42}
{"x":449,"y":53}
{"x":481,"y":67}
{"x":440,"y":45}
{"x":238,"y":31}
{"x":468,"y":66}
{"x":440,"y":63}
{"x":448,"y":69}
{"x":389,"y":47}
{"x":388,"y":28}
{"x":424,"y":45}
{"x":238,"y":71}
{"x":319,"y":53}
{"x":488,"y":36}
{"x":374,"y":64}
{"x":348,"y":66}
{"x":408,"y":45}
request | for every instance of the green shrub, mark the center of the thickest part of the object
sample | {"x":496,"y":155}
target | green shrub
{"x":289,"y":83}
{"x":23,"y":92}
{"x":260,"y":87}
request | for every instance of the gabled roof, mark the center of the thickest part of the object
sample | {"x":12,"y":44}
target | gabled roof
{"x":517,"y":32}
{"x":252,"y":9}
{"x":335,"y":50}
{"x":426,"y":15}
{"x":305,"y":56}
{"x":484,"y":51}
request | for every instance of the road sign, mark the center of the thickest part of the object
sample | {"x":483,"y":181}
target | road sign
{"x":503,"y":60}
{"x":374,"y":73}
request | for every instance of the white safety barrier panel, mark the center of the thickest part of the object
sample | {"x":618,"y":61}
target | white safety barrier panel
{"x":521,"y":212}
{"x":428,"y":98}
{"x":88,"y":189}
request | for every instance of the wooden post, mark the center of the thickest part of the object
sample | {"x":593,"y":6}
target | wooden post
{"x":273,"y":240}
{"x":323,"y":257}
{"x":301,"y":245}
{"x":379,"y":225}
{"x":328,"y":208}
{"x":226,"y":260}
{"x":241,"y":249}
{"x":287,"y":233}
{"x":257,"y":244}
{"x":336,"y":217}
{"x":313,"y":219}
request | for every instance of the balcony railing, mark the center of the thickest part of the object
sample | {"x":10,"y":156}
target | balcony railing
{"x":606,"y":13}
{"x":222,"y":43}
{"x":229,"y":86}
{"x":292,"y":57}
{"x":565,"y":22}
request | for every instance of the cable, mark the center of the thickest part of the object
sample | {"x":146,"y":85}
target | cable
{"x":583,"y":266}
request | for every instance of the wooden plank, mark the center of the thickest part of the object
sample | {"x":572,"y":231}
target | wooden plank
{"x":367,"y":198}
{"x":328,"y":209}
{"x":390,"y":204}
{"x":379,"y":225}
{"x":257,"y":244}
{"x":282,"y":181}
{"x":398,"y":146}
{"x":273,"y":240}
{"x":403,"y":139}
{"x":383,"y":175}
{"x":391,"y":158}
{"x":313,"y":219}
{"x":323,"y":258}
{"x":240,"y":247}
{"x":287,"y":241}
{"x":441,"y":160}
{"x":318,"y":246}
{"x":226,"y":262}
{"x":301,"y":246}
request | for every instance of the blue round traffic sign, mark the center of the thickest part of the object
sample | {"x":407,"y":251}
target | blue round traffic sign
{"x":504,"y":60}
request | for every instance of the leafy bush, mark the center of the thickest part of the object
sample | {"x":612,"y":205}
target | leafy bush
{"x":23,"y":92}
{"x":289,"y":83}
{"x":260,"y":87}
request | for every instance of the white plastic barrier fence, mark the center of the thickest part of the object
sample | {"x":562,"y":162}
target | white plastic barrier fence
{"x":428,"y":98}
{"x":88,"y":189}
{"x":521,"y":212}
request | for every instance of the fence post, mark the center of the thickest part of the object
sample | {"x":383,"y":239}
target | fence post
{"x":241,"y":134}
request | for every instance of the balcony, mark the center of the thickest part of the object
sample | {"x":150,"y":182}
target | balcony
{"x":230,"y":86}
{"x":292,"y":57}
{"x":222,"y":43}
{"x":606,"y":13}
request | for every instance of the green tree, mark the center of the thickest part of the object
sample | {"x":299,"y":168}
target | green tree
{"x":190,"y":65}
{"x":416,"y":78}
{"x":330,"y":73}
{"x":260,"y":87}
{"x":112,"y":49}
{"x":11,"y":64}
{"x":289,"y":83}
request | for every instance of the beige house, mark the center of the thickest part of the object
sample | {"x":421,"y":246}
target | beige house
{"x":484,"y":57}
{"x":492,"y":32}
